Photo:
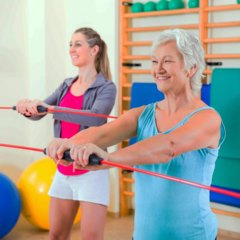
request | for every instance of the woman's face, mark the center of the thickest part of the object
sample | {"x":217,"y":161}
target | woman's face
{"x":80,"y":52}
{"x":168,"y":68}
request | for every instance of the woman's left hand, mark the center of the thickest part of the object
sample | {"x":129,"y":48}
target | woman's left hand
{"x":32,"y":107}
{"x":81,"y":153}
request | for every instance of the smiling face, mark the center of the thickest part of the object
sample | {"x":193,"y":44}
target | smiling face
{"x":168,"y":68}
{"x":80,"y":52}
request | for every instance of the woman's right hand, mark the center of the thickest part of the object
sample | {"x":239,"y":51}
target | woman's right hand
{"x":29,"y":108}
{"x":22,"y":107}
{"x":57,"y":147}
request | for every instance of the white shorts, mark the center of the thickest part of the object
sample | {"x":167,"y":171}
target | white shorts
{"x":93,"y":186}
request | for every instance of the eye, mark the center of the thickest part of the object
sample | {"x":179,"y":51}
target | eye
{"x":167,"y":61}
{"x":78,"y":45}
{"x":154,"y":61}
{"x":70,"y":45}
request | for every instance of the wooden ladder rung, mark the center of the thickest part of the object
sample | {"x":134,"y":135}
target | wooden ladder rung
{"x":127,"y":85}
{"x":224,"y":24}
{"x":126,"y":98}
{"x":232,"y":214}
{"x":222,"y":8}
{"x":209,"y":56}
{"x":146,"y":71}
{"x":152,"y":29}
{"x":221,"y":40}
{"x":131,"y":194}
{"x":136,"y":71}
{"x":133,"y":57}
{"x":160,"y":13}
{"x":137,"y":43}
{"x":130,"y":180}
{"x":217,"y":56}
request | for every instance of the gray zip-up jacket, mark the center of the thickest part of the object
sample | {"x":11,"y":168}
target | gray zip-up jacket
{"x":99,"y":98}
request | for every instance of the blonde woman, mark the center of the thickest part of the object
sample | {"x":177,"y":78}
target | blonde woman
{"x":92,"y":91}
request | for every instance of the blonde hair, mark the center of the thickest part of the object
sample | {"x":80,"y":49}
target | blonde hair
{"x":101,"y":59}
{"x":189,"y":45}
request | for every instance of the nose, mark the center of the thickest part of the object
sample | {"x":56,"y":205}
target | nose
{"x":72,"y":49}
{"x":160,"y":69}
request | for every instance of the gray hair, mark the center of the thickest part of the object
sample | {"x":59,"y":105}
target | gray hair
{"x":189,"y":45}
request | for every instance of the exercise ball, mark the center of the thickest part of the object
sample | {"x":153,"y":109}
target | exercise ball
{"x":162,"y":5}
{"x":137,"y":7}
{"x":175,"y":4}
{"x":193,"y":4}
{"x":33,"y":186}
{"x":10,"y":205}
{"x":238,"y":1}
{"x":149,"y":7}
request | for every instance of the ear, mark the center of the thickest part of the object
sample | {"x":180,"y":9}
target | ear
{"x":95,"y":50}
{"x":192,"y":70}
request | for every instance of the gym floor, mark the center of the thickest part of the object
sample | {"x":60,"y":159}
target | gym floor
{"x":116,"y":229}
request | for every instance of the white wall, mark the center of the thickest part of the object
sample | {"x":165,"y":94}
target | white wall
{"x":34,"y":60}
{"x":14,"y":81}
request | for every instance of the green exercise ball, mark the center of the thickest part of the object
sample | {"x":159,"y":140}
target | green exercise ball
{"x":137,"y":7}
{"x":175,"y":4}
{"x":238,"y":1}
{"x":162,"y":5}
{"x":193,"y":4}
{"x":149,"y":7}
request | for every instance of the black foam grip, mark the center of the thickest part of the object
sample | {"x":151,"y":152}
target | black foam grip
{"x":40,"y":109}
{"x":93,"y":159}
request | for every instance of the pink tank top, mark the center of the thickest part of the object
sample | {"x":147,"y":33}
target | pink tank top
{"x":69,"y":129}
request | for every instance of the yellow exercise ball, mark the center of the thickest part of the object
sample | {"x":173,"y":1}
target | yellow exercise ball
{"x":33,"y":186}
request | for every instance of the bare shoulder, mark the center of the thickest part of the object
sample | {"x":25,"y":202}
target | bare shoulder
{"x":207,"y":117}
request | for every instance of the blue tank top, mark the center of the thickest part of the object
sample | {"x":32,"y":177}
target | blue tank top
{"x":167,"y":210}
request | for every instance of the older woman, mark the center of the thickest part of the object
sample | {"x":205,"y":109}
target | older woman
{"x":179,"y":136}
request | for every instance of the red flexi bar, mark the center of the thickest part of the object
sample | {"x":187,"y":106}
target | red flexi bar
{"x":218,"y":190}
{"x":213,"y":189}
{"x":21,"y":147}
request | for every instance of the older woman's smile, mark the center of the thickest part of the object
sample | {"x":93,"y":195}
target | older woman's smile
{"x":163,"y":78}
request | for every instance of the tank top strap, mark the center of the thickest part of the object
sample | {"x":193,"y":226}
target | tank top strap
{"x":198,"y":110}
{"x":147,"y":117}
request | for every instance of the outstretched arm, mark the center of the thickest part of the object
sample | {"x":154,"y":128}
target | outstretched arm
{"x":103,"y":104}
{"x":202,"y":130}
{"x":109,"y":134}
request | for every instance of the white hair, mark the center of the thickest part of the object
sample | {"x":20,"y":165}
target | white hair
{"x":189,"y":45}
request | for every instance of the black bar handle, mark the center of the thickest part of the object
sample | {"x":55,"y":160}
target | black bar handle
{"x":125,"y":171}
{"x":40,"y":109}
{"x":131,"y":64}
{"x":214,"y":63}
{"x":127,"y":4}
{"x":93,"y":159}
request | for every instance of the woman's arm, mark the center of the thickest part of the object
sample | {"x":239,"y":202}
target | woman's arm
{"x":109,"y":134}
{"x":49,"y":102}
{"x":202,"y":130}
{"x":103,"y":105}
